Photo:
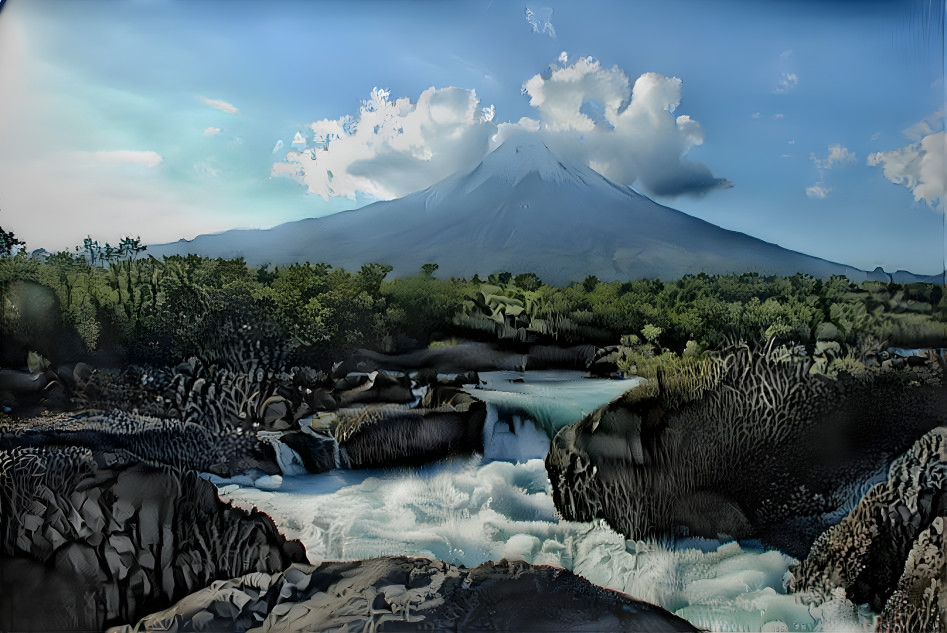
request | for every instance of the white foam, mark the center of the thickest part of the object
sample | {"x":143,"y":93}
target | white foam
{"x":470,"y":510}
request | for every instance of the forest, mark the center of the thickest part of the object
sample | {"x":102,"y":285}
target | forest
{"x":115,"y":305}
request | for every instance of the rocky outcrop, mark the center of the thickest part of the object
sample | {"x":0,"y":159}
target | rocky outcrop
{"x":410,"y":594}
{"x":448,"y":422}
{"x":751,"y":445}
{"x":477,"y":357}
{"x":373,"y":388}
{"x":93,"y":539}
{"x":920,"y":601}
{"x":149,"y":440}
{"x":888,"y":552}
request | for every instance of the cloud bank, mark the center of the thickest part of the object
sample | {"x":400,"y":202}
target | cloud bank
{"x":393,"y":148}
{"x":919,"y":166}
{"x":585,"y":112}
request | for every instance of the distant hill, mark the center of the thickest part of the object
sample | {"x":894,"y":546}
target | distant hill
{"x":522,"y":209}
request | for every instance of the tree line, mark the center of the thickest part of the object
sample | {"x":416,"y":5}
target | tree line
{"x":162,"y":310}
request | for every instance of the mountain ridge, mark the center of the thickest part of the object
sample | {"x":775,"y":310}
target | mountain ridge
{"x":521,"y":209}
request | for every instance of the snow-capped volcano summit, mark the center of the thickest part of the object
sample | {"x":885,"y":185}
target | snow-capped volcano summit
{"x":522,"y":209}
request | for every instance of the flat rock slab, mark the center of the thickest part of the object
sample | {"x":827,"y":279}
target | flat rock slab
{"x":410,"y":594}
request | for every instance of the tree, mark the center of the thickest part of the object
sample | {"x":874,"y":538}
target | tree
{"x":370,"y":276}
{"x":651,"y":333}
{"x":428,"y":270}
{"x":500,"y":279}
{"x":8,"y":243}
{"x":130,"y":247}
{"x":91,"y":249}
{"x":590,"y":282}
{"x":527,"y":281}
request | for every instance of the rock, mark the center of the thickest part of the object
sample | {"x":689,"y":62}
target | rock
{"x":887,"y":536}
{"x":394,"y":436}
{"x":773,"y":450}
{"x":377,"y":387}
{"x":151,"y":440}
{"x":116,"y":542}
{"x":319,"y":452}
{"x":269,"y":482}
{"x":411,"y":594}
{"x":605,"y":361}
{"x":919,"y":603}
{"x":446,"y":360}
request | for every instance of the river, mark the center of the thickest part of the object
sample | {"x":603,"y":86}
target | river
{"x":468,"y":510}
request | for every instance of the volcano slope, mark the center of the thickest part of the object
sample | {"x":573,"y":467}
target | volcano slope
{"x":522,"y":209}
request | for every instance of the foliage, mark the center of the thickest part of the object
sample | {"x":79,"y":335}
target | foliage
{"x":8,"y":243}
{"x":162,"y":310}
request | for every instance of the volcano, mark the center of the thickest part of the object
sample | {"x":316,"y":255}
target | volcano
{"x":522,"y":209}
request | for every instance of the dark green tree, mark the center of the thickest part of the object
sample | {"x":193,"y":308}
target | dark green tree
{"x":8,"y":243}
{"x":527,"y":281}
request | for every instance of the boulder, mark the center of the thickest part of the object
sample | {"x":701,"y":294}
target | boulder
{"x":318,"y":451}
{"x":398,"y":436}
{"x":772,"y":449}
{"x":411,"y":594}
{"x":376,"y":387}
{"x":105,"y":540}
{"x":151,"y":440}
{"x":882,"y":545}
{"x":919,"y":603}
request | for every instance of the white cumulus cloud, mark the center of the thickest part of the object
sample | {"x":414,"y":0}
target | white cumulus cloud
{"x":818,"y":190}
{"x":919,"y":167}
{"x":787,"y":82}
{"x":393,"y":147}
{"x":211,"y":131}
{"x":628,"y":131}
{"x":217,"y":104}
{"x":836,"y":155}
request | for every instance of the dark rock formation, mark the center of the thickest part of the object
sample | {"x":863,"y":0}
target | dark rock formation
{"x":467,"y":357}
{"x":448,"y":422}
{"x":375,"y":388}
{"x":148,"y":440}
{"x":318,"y":451}
{"x":92,"y":539}
{"x":446,"y":360}
{"x":411,"y":594}
{"x":865,"y":554}
{"x":920,"y":601}
{"x":749,"y":445}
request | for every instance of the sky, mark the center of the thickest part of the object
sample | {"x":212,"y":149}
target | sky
{"x":815,"y":125}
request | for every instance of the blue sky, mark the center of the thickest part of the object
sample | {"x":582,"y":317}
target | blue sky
{"x":815,"y":125}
